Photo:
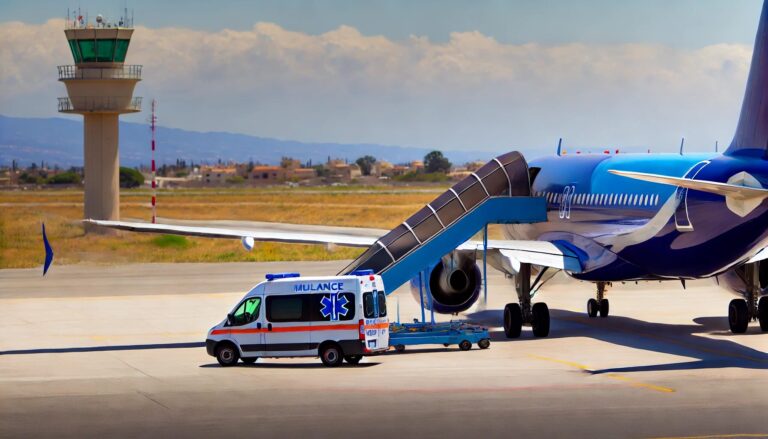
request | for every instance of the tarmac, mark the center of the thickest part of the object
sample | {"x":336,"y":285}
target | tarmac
{"x":118,"y":351}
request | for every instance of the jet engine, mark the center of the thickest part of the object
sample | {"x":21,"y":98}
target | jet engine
{"x":450,"y":286}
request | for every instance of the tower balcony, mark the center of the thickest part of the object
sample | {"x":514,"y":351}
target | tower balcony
{"x":74,"y":72}
{"x":100,"y":104}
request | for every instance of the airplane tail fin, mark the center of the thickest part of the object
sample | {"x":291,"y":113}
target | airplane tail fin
{"x":751,"y":137}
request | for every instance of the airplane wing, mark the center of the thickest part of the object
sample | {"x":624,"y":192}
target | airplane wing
{"x":507,"y":255}
{"x":504,"y":255}
{"x":735,"y":191}
{"x":298,"y":237}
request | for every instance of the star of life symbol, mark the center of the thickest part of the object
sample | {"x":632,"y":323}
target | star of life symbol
{"x":334,"y":305}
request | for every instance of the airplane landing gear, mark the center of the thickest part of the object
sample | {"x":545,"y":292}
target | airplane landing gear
{"x":517,"y":314}
{"x":741,"y":311}
{"x":600,"y":304}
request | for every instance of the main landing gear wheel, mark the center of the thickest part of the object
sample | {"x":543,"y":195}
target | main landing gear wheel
{"x":762,"y":313}
{"x":604,"y":308}
{"x":592,"y":308}
{"x":540,"y":320}
{"x":227,"y":355}
{"x":738,"y":316}
{"x":513,"y":320}
{"x":599,"y":305}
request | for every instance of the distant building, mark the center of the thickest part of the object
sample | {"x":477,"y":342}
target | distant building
{"x":215,"y":176}
{"x":339,"y":171}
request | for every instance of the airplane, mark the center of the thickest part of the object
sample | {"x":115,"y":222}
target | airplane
{"x":610,"y":218}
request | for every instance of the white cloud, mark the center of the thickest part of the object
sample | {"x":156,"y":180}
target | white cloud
{"x":470,"y":92}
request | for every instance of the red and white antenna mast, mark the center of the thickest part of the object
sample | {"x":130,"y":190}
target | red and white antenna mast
{"x":152,"y":121}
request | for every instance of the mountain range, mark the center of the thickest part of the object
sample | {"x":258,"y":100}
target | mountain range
{"x":59,"y":141}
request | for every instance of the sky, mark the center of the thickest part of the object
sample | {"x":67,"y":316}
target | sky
{"x":452,"y":75}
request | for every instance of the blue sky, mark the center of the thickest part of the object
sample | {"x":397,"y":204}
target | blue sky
{"x":685,"y":23}
{"x":487,"y":75}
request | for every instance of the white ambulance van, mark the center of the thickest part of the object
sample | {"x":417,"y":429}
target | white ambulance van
{"x":335,"y":318}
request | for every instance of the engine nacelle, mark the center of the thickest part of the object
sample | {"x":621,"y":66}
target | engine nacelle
{"x":453,"y":285}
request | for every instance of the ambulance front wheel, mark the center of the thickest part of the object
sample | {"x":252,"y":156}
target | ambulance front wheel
{"x":227,"y":354}
{"x":331,"y":355}
{"x":353,"y":359}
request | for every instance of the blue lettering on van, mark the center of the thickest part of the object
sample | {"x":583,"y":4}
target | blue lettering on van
{"x":322,"y":286}
{"x":334,"y":305}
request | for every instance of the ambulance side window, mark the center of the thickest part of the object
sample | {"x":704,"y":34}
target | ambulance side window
{"x":369,"y":307}
{"x":382,"y":304}
{"x":324,"y":309}
{"x":247,"y":312}
{"x":287,"y":308}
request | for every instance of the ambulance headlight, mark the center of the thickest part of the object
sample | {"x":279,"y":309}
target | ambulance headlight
{"x":247,"y":242}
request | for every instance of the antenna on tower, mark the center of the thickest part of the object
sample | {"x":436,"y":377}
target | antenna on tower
{"x":682,"y":143}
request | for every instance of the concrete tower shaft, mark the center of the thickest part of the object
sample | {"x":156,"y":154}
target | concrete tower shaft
{"x":100,"y":87}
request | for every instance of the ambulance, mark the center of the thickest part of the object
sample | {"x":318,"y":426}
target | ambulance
{"x":338,"y":318}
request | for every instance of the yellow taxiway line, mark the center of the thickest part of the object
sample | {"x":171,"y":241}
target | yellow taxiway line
{"x":615,"y":376}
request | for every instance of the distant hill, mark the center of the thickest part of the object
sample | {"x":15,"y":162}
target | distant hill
{"x":60,"y":141}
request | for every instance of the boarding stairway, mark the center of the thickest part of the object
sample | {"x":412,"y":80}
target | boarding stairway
{"x":498,"y":193}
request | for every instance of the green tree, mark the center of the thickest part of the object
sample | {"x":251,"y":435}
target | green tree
{"x":435,"y":161}
{"x":130,"y":177}
{"x":366,"y":164}
{"x":69,"y":177}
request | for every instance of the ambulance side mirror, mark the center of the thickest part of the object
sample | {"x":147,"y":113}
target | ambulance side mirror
{"x":230,"y":319}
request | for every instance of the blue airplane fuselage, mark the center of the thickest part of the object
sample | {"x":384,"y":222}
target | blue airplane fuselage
{"x":627,"y":229}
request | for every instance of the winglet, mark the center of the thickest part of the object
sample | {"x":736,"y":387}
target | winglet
{"x":48,"y":252}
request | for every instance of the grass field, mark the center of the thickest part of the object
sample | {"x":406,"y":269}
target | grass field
{"x":22,"y":212}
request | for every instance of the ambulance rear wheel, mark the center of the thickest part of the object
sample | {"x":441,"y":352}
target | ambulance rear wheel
{"x":513,"y":320}
{"x":484,"y":343}
{"x":227,"y":355}
{"x":353,"y":359}
{"x":249,"y":360}
{"x":331,"y":355}
{"x":465,"y":345}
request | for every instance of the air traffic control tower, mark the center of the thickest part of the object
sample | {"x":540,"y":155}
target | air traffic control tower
{"x":100,"y":87}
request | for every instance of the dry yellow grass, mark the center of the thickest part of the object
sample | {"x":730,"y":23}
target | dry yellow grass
{"x":21,"y":214}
